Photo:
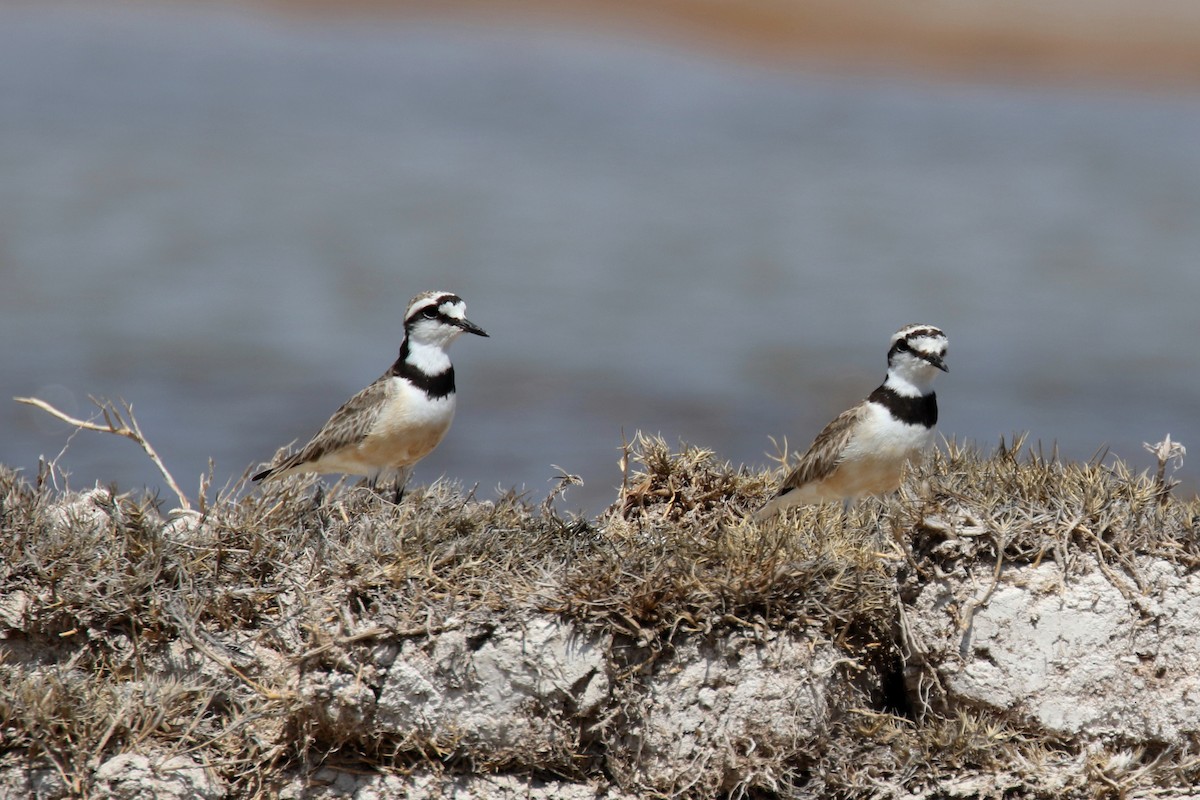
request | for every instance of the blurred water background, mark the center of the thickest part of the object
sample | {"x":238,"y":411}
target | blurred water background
{"x":219,"y":214}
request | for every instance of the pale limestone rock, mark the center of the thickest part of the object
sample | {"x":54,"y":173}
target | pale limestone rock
{"x":515,"y":686}
{"x":14,"y":610}
{"x":1075,"y":655}
{"x":14,"y":783}
{"x":338,"y":699}
{"x":135,"y":776}
{"x":714,"y":704}
{"x":87,"y":512}
{"x":328,"y":784}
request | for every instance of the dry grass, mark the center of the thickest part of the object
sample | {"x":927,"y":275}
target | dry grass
{"x":682,"y":555}
{"x":1023,"y":505}
{"x":122,"y":630}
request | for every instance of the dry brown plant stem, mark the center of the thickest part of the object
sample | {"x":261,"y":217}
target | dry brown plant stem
{"x":1165,"y":452}
{"x":117,"y":424}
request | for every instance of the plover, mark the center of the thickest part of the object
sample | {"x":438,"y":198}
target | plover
{"x":863,"y":451}
{"x":399,"y":419}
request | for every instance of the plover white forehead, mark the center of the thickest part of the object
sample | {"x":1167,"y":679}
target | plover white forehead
{"x":864,"y":449}
{"x":385,"y":429}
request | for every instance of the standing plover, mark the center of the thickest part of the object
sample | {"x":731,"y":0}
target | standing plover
{"x":392,"y":424}
{"x":863,"y":451}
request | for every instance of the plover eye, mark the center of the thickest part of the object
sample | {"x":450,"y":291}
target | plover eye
{"x":902,"y":346}
{"x":430,"y":312}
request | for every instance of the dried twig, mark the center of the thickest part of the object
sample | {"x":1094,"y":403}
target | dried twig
{"x":185,"y":628}
{"x":562,"y":482}
{"x":118,"y":424}
{"x":1166,"y":452}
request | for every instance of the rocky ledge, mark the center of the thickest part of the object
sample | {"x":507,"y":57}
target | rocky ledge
{"x":1007,"y":626}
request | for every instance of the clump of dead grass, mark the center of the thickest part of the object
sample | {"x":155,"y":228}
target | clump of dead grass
{"x":682,"y":555}
{"x":687,"y":485}
{"x":967,"y":753}
{"x":976,"y":753}
{"x":1022,"y":505}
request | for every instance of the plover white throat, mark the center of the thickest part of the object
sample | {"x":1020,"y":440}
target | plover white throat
{"x":399,"y":419}
{"x":863,"y":451}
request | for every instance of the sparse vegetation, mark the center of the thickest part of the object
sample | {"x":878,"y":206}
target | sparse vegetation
{"x":255,"y":637}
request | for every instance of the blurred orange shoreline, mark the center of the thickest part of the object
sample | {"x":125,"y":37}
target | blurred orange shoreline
{"x":1104,"y":42}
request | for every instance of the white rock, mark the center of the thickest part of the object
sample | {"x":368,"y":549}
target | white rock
{"x":339,"y":699}
{"x":189,"y":527}
{"x":518,"y":686}
{"x":134,"y":776}
{"x":48,"y":783}
{"x":329,"y":784}
{"x":88,"y":512}
{"x":14,"y":608}
{"x":1074,"y":656}
{"x":14,"y":783}
{"x":713,"y":705}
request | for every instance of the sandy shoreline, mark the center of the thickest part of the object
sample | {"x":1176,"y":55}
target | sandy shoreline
{"x":1110,"y":42}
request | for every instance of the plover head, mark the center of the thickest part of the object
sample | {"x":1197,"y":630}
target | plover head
{"x":916,"y":355}
{"x":437,"y":319}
